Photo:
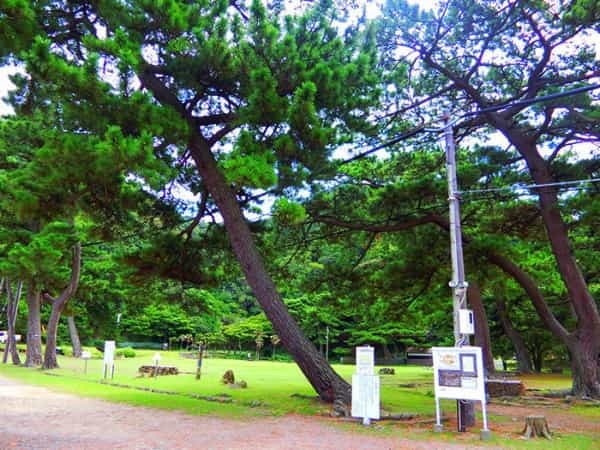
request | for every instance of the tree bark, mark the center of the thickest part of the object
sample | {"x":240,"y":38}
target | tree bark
{"x":11,"y":318}
{"x":584,"y":350}
{"x":482,"y":330}
{"x":58,"y":305}
{"x":521,"y":352}
{"x":75,"y":342}
{"x":328,"y":384}
{"x":33,"y":356}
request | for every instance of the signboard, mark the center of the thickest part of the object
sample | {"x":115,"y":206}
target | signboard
{"x":86,"y":355}
{"x":365,"y":360}
{"x":109,"y":352}
{"x":109,"y":358}
{"x":365,"y":396}
{"x":458,"y":374}
{"x":365,"y":386}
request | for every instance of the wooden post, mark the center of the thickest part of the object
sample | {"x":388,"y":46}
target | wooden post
{"x":536,"y":426}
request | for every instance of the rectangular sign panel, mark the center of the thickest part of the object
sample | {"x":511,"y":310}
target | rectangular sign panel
{"x":458,"y":373}
{"x":365,"y":396}
{"x":365,"y":360}
{"x":109,"y":352}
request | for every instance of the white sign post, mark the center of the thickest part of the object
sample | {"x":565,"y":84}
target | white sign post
{"x":109,"y":358}
{"x":458,"y":374}
{"x":365,"y":386}
{"x":86,"y":356}
{"x":156,"y":360}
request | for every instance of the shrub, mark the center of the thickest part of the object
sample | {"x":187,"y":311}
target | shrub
{"x":126,"y":352}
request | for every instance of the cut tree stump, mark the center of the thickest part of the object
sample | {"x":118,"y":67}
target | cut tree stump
{"x":536,"y":426}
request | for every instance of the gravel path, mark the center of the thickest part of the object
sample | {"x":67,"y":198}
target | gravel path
{"x":36,"y":418}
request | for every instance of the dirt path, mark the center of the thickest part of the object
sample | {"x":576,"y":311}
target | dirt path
{"x":37,"y":418}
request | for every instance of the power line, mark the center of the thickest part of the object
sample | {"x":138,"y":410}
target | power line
{"x":423,"y":128}
{"x":531,"y":101}
{"x":515,"y":187}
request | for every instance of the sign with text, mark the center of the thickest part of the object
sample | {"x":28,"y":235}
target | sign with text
{"x":458,"y":374}
{"x":365,"y":385}
{"x":109,"y":358}
{"x":109,"y":352}
{"x":365,"y":360}
{"x":365,"y":396}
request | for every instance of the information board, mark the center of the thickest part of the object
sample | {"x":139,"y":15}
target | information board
{"x":458,"y":374}
{"x":109,"y":352}
{"x":109,"y":358}
{"x":365,"y":386}
{"x":365,"y":360}
{"x":365,"y":396}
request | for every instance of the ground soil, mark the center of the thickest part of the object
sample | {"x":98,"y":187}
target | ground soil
{"x":37,"y":418}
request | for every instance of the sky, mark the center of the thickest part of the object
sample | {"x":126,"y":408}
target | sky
{"x":5,"y":86}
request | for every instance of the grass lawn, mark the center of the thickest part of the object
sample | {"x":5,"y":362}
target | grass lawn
{"x":271,"y":385}
{"x":277,"y":388}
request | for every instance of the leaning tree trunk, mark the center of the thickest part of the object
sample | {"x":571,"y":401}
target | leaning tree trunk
{"x":58,"y":304}
{"x":584,"y":342}
{"x":482,"y":330}
{"x":328,"y":384}
{"x":521,"y":352}
{"x":75,"y":342}
{"x":34,"y":328}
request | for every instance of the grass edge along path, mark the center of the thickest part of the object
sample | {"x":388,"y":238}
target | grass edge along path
{"x":113,"y":392}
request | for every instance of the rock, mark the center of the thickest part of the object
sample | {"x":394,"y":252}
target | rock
{"x":228,"y":377}
{"x":387,"y":371}
{"x":243,"y":384}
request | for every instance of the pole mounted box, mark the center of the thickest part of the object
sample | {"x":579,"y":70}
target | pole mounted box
{"x":466,"y":324}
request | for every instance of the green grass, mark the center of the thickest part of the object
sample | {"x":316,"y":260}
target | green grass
{"x":271,"y":389}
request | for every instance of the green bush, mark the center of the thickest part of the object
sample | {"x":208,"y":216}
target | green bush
{"x":126,"y":352}
{"x":67,"y":350}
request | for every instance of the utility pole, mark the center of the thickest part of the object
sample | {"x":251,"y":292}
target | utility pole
{"x":465,"y":410}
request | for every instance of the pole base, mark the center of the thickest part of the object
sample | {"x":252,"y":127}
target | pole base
{"x":438,"y":428}
{"x":485,"y":435}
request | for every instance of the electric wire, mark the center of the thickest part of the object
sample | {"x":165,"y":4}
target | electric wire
{"x":516,"y":187}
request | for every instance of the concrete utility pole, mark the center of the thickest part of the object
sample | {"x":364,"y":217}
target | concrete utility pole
{"x":458,"y":284}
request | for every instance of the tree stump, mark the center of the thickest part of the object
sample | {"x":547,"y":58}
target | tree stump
{"x":536,"y":426}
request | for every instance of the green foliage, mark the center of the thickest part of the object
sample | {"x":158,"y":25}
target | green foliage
{"x":126,"y":352}
{"x":288,"y":213}
{"x":157,"y":323}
